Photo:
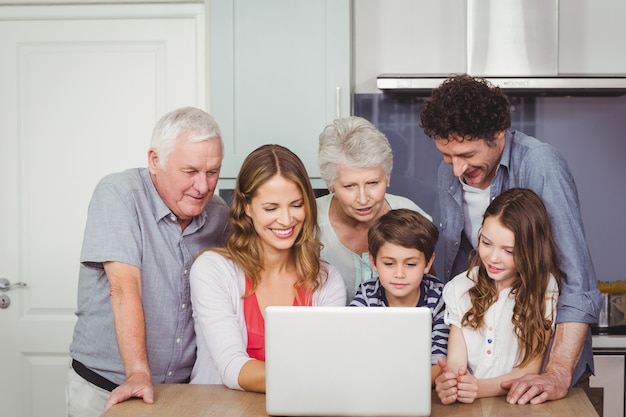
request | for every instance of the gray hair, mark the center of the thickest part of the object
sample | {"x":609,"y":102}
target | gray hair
{"x":197,"y":123}
{"x":354,"y":143}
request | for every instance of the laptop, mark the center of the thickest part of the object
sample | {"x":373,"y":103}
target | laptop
{"x":348,"y":361}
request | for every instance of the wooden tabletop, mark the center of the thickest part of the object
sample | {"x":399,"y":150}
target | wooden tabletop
{"x":189,"y":400}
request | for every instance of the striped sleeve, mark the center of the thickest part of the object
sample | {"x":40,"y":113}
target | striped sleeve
{"x":440,"y":328}
{"x":368,"y":294}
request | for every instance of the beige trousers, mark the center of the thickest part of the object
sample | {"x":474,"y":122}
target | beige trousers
{"x":83,"y":398}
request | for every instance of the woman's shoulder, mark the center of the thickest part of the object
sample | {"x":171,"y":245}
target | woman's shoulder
{"x":214,"y":260}
{"x":324,"y":201}
{"x":398,"y":201}
{"x":323,"y":207}
{"x":332,"y":290}
{"x":210,"y":255}
{"x":331,"y":270}
{"x":215,"y":270}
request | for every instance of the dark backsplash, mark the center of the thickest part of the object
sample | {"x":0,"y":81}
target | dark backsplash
{"x":415,"y":156}
{"x":590,"y":132}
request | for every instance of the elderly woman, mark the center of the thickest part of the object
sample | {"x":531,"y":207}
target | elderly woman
{"x":355,"y":161}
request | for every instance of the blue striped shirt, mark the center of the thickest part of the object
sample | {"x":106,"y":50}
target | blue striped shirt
{"x":372,"y":294}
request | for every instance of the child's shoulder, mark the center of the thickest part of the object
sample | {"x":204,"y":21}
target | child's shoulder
{"x":432,"y":282}
{"x":462,"y":282}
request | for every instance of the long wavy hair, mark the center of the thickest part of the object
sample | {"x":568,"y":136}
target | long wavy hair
{"x":244,"y":245}
{"x":522,"y":212}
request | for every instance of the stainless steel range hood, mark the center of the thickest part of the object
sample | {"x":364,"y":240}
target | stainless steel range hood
{"x":514,"y":44}
{"x":537,"y":86}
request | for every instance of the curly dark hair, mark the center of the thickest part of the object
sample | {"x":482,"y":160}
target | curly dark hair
{"x":465,"y":106}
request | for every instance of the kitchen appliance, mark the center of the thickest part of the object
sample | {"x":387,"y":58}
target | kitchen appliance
{"x":612,"y":319}
{"x":515,"y":45}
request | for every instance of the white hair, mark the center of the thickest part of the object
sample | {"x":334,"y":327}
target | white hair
{"x":353,"y":142}
{"x":197,"y":123}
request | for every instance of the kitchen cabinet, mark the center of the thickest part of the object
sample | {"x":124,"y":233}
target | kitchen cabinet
{"x":408,"y":36}
{"x":507,"y":38}
{"x":610,"y":372}
{"x":591,"y":37}
{"x":279,"y":73}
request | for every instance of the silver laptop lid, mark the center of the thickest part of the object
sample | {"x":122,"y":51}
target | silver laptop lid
{"x":348,"y":361}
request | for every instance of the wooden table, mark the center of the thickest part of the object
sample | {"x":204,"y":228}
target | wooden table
{"x":188,"y":400}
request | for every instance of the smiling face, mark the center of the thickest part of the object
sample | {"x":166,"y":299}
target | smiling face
{"x":189,"y":178}
{"x":496,"y":250}
{"x":277,"y":212}
{"x":474,"y":161}
{"x":360,"y":192}
{"x":400,"y":271}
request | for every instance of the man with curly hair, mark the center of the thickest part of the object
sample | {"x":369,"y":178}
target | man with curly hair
{"x":470,"y":120}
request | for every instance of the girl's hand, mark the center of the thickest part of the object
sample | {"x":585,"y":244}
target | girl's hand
{"x":467,"y":386}
{"x":446,"y":384}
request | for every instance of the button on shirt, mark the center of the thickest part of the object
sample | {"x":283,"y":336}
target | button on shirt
{"x":128,"y":222}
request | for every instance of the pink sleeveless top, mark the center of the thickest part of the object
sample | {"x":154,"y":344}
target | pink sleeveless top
{"x":256,"y":324}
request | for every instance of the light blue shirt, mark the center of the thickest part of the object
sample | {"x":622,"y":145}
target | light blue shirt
{"x":354,"y":267}
{"x":528,"y":163}
{"x":128,"y":222}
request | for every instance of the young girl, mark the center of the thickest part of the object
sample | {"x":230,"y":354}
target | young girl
{"x":502,"y":310}
{"x":272,"y":257}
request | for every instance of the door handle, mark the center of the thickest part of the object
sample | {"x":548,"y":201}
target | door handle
{"x":5,"y":284}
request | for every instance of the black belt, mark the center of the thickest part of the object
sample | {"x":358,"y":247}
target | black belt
{"x":93,"y":377}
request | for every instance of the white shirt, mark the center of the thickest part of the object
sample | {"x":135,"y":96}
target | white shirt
{"x":493,"y":350}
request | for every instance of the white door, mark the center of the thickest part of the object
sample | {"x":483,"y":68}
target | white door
{"x":80,"y":89}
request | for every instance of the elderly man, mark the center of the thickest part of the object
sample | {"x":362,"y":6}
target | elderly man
{"x":144,"y":228}
{"x":469,"y":119}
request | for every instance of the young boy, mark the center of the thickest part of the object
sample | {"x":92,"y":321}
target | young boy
{"x":401,"y":248}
